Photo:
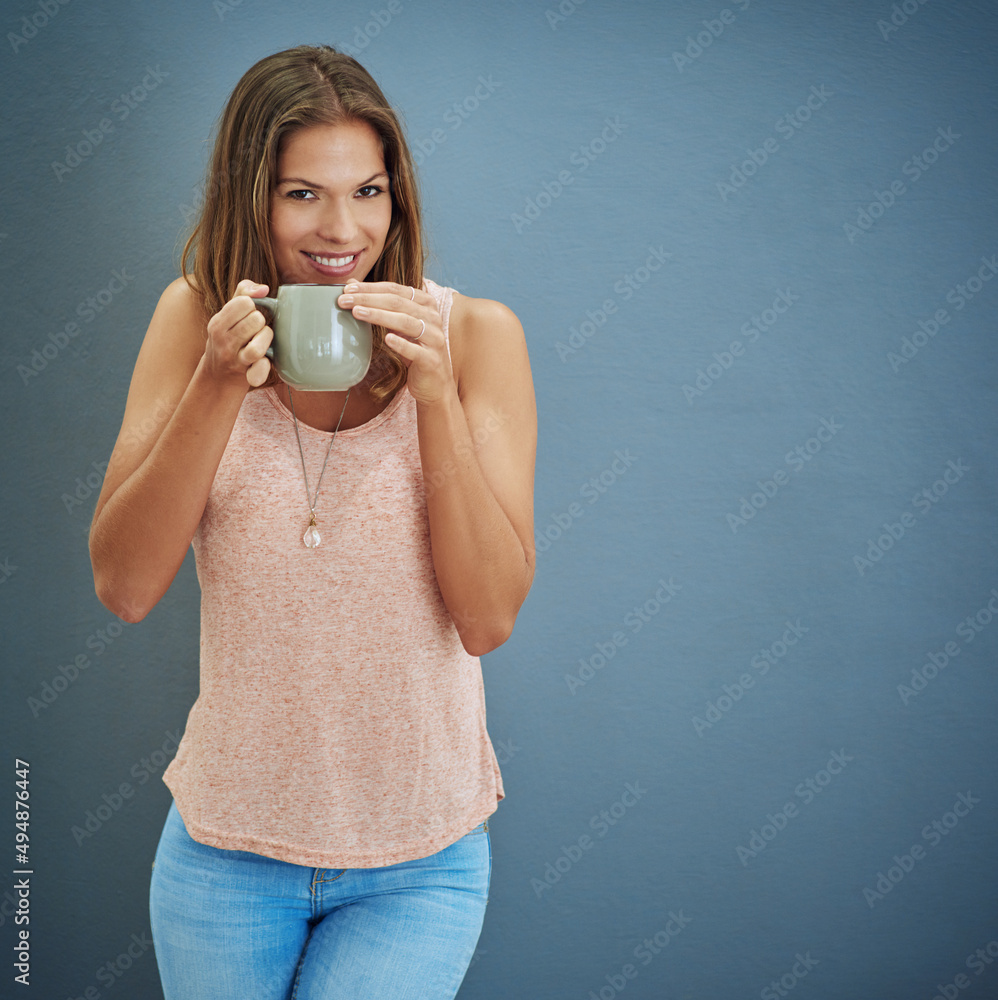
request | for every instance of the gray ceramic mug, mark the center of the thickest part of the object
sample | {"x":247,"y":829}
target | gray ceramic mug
{"x":317,"y":346}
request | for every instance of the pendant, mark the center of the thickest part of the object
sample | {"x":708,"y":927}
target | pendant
{"x":311,"y":538}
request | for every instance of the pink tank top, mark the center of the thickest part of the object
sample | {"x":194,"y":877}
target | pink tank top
{"x":340,"y":722}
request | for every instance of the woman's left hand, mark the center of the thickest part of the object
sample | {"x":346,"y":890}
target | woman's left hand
{"x":417,"y":334}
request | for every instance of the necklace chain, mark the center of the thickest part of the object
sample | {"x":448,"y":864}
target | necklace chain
{"x":312,"y":537}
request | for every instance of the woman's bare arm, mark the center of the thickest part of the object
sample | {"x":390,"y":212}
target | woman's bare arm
{"x":189,"y":382}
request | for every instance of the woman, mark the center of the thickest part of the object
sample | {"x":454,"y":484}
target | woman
{"x":328,"y":833}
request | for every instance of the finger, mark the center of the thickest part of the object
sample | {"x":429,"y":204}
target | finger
{"x":388,"y":294}
{"x":245,"y":307}
{"x":237,"y":319}
{"x":402,"y":346}
{"x":257,"y":372}
{"x":256,"y":348}
{"x":405,"y":295}
{"x":416,"y":335}
{"x":249,"y":287}
{"x":401,"y":322}
{"x":243,"y":302}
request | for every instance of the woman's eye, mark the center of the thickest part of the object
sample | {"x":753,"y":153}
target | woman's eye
{"x":300,"y":195}
{"x":370,"y":190}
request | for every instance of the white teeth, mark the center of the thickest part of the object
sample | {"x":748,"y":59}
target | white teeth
{"x":333,"y":261}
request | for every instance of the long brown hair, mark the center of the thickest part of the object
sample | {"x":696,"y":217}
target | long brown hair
{"x":297,"y":88}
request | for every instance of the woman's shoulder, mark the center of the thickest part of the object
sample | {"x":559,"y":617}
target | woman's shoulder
{"x":178,"y":328}
{"x":482,"y":332}
{"x":182,"y":295}
{"x":183,"y":308}
{"x":468,"y":310}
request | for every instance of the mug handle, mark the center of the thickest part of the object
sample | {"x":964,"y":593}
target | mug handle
{"x":270,"y":305}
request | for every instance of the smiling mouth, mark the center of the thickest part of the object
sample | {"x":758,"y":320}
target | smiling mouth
{"x":332,"y":261}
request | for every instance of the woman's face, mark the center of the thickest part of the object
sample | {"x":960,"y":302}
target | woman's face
{"x":331,"y":205}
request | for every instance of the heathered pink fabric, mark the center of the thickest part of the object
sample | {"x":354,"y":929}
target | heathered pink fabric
{"x":340,"y":722}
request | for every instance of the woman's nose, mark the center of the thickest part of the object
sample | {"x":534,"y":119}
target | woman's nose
{"x":337,"y":223}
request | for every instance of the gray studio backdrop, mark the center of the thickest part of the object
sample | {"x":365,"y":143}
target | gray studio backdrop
{"x":746,"y":719}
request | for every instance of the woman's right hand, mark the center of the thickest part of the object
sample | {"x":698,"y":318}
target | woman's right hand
{"x":238,"y":337}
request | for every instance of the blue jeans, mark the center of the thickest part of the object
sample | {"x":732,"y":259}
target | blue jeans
{"x":232,"y":925}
